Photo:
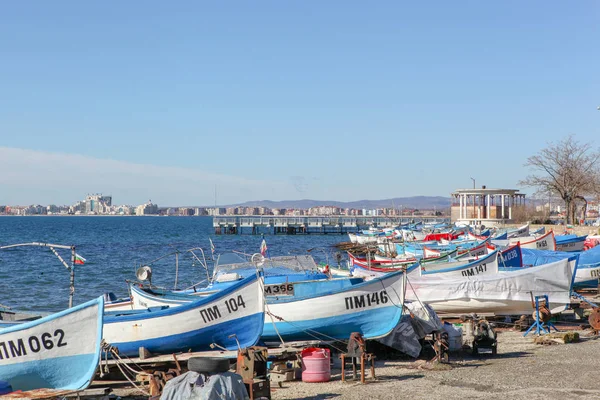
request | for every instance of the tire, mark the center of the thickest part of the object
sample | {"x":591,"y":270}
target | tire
{"x":494,"y":350}
{"x":475,"y":351}
{"x":208,"y":365}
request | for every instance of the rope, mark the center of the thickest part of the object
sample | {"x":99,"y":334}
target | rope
{"x":261,"y":283}
{"x":311,"y":332}
{"x":132,"y":382}
{"x":419,"y":300}
{"x":107,"y":348}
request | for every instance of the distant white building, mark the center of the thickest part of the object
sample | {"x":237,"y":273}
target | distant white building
{"x":485,"y":206}
{"x":325,"y":210}
{"x":147,"y":209}
{"x":97,"y":204}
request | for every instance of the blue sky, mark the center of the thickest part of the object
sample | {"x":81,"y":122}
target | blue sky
{"x":338,"y":100}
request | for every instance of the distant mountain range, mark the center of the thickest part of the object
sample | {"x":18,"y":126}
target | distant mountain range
{"x":418,"y":202}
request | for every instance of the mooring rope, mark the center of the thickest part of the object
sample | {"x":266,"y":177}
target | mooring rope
{"x":107,"y":348}
{"x":311,"y":332}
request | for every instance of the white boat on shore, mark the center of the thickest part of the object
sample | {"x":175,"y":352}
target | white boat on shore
{"x":59,"y":351}
{"x":506,"y":293}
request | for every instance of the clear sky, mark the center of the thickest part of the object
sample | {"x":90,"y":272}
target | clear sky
{"x":330,"y":100}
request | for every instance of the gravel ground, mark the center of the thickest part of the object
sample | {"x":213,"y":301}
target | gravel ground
{"x":520,"y":370}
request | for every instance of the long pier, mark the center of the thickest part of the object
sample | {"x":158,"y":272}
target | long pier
{"x":290,"y":225}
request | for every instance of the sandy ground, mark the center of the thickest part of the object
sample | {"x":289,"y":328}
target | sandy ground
{"x":521,"y":370}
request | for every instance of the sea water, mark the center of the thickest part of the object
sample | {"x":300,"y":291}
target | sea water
{"x":32,"y":278}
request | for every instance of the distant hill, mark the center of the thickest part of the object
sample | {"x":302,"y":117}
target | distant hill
{"x":419,"y":202}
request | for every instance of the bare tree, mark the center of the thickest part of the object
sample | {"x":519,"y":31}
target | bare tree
{"x":567,"y":169}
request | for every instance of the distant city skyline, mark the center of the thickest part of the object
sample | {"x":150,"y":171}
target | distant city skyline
{"x":334,"y":100}
{"x":102,"y":204}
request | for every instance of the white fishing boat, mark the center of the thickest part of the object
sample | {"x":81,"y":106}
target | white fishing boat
{"x":570,"y":243}
{"x":59,"y":351}
{"x":227,"y":318}
{"x":485,"y":265}
{"x":544,"y":242}
{"x":507,"y":293}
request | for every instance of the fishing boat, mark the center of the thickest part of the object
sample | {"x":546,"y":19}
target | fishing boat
{"x":518,"y":232}
{"x":544,"y":242}
{"x":480,"y":266}
{"x":570,"y":243}
{"x":510,"y":258}
{"x":230,"y":316}
{"x":372,"y":308}
{"x":59,"y":351}
{"x":477,"y":251}
{"x":500,"y":294}
{"x":390,"y":263}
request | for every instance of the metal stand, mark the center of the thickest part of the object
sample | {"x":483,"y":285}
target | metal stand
{"x":357,"y":352}
{"x":364,"y":358}
{"x":542,"y":317}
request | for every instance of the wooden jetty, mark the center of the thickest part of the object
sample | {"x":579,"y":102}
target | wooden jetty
{"x":291,"y":225}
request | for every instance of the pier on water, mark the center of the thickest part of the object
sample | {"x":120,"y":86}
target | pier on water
{"x":289,"y":225}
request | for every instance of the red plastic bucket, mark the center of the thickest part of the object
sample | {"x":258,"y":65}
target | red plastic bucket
{"x":315,"y":365}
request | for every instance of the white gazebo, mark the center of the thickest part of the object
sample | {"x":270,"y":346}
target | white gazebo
{"x":489,"y":207}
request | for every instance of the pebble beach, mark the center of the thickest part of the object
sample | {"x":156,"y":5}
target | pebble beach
{"x":520,"y":370}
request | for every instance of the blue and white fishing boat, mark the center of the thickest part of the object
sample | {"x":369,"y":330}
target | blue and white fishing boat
{"x":543,"y":242}
{"x":510,"y":258}
{"x":236,"y":312}
{"x":485,"y":265}
{"x":372,"y":308}
{"x":59,"y":351}
{"x":570,"y":243}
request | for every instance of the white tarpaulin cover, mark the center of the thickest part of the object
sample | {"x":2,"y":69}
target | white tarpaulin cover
{"x":506,"y":293}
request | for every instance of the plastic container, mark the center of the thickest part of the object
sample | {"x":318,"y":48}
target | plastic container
{"x":455,"y":337}
{"x":5,"y":387}
{"x":315,"y":365}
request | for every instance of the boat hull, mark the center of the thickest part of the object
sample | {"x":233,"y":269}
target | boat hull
{"x":60,"y":351}
{"x":237,"y":310}
{"x":505,"y":293}
{"x":372,"y":308}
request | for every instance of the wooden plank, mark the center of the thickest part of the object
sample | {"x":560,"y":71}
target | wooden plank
{"x":93,"y":393}
{"x":165,"y":358}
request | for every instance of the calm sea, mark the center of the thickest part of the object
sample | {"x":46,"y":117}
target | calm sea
{"x":32,"y":278}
